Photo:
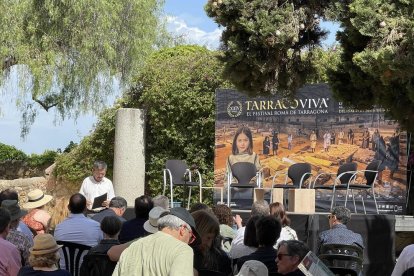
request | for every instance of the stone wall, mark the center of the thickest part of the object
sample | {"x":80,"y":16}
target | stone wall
{"x":13,"y":169}
{"x":47,"y":182}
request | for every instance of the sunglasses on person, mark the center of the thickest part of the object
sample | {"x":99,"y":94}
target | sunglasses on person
{"x":280,"y":255}
{"x":193,"y":238}
{"x":330,"y":216}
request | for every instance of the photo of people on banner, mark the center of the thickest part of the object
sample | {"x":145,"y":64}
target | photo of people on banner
{"x":274,"y":134}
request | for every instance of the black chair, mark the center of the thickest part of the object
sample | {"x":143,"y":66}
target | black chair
{"x":96,"y":264}
{"x":177,"y":173}
{"x":72,"y":255}
{"x":342,"y":259}
{"x":343,"y":176}
{"x":370,"y":175}
{"x":297,"y":173}
{"x":244,"y":172}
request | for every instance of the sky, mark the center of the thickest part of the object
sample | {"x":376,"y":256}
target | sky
{"x":188,"y":20}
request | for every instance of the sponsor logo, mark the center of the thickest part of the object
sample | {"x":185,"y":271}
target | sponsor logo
{"x":234,"y":109}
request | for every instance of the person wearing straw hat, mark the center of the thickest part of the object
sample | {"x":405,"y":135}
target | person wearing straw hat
{"x":37,"y":218}
{"x":20,"y":240}
{"x":10,"y":261}
{"x":43,"y":259}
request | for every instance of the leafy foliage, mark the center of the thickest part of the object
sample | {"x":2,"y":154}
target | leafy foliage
{"x":11,"y":153}
{"x":69,"y":52}
{"x":268,"y":45}
{"x":176,"y":88}
{"x":377,"y":64}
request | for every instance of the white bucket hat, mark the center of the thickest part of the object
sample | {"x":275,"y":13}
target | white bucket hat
{"x":253,"y":268}
{"x":151,"y":225}
{"x":36,"y":198}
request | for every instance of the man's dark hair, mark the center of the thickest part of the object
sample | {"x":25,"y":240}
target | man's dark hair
{"x":268,"y":230}
{"x":250,"y":232}
{"x":8,"y":194}
{"x":295,"y":248}
{"x":342,"y":214}
{"x":199,"y":206}
{"x":118,"y":202}
{"x":77,"y":203}
{"x":143,"y":206}
{"x":111,"y":225}
{"x":5,"y":219}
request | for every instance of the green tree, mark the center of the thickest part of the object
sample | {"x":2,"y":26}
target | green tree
{"x":377,"y":64}
{"x":69,"y":52}
{"x":268,"y":45}
{"x":176,"y":88}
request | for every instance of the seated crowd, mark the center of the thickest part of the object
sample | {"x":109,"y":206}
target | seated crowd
{"x":159,"y":240}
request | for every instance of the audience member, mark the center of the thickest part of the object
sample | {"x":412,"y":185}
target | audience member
{"x":226,"y":220}
{"x":170,"y":253}
{"x":10,"y":261}
{"x":200,"y":206}
{"x":97,"y":185}
{"x":253,"y":268}
{"x":117,"y":207}
{"x":110,"y":226}
{"x":249,"y":244}
{"x":289,"y":256}
{"x":207,"y":254}
{"x":59,"y":212}
{"x":161,"y":201}
{"x":151,"y":226}
{"x":37,"y":218}
{"x":134,"y":228}
{"x":43,"y":258}
{"x":267,"y":232}
{"x":259,"y":208}
{"x":339,"y":233}
{"x":287,"y":233}
{"x":405,"y":261}
{"x":22,"y":227}
{"x":76,"y":227}
{"x":20,"y":240}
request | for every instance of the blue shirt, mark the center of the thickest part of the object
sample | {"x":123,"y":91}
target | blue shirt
{"x":106,"y":213}
{"x":78,"y":229}
{"x":340,"y":234}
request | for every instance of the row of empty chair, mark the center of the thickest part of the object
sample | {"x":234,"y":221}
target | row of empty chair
{"x":244,"y":175}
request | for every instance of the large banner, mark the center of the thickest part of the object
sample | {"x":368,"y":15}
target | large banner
{"x":315,"y":129}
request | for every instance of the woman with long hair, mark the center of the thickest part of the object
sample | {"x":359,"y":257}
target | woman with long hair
{"x":208,"y":254}
{"x":59,"y":212}
{"x":287,"y":233}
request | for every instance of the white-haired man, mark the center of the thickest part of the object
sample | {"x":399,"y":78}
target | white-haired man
{"x":164,"y":253}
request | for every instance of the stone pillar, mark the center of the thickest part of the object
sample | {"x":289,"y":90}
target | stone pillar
{"x":129,"y":155}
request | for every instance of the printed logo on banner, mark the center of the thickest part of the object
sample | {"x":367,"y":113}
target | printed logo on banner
{"x":234,"y":109}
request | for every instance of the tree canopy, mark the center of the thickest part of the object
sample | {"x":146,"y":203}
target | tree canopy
{"x":271,"y":47}
{"x":176,"y":87}
{"x":268,"y":45}
{"x":68,"y":52}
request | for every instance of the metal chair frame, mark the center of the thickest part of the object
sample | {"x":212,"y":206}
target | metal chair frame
{"x":286,"y":186}
{"x":258,"y":176}
{"x":337,"y":185}
{"x":167,"y":173}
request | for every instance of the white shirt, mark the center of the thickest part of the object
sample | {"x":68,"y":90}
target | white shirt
{"x":286,"y":234}
{"x":91,"y":188}
{"x":238,"y":249}
{"x":405,"y":261}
